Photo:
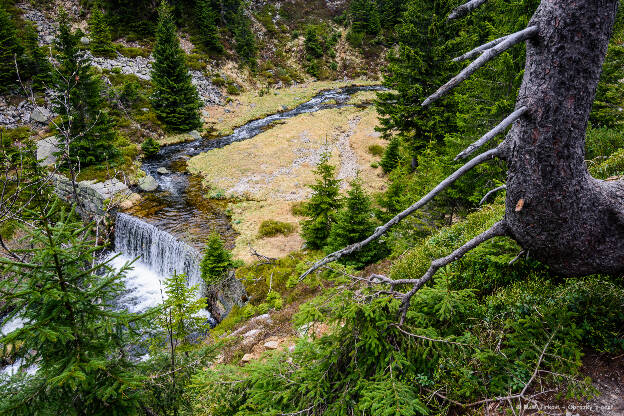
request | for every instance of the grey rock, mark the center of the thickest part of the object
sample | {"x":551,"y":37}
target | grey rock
{"x":271,"y":345}
{"x":221,"y":297}
{"x":40,"y":115}
{"x":46,"y":149}
{"x":148,"y":184}
{"x":163,"y":171}
{"x":195,"y":134}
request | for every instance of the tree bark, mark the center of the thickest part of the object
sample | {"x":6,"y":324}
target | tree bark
{"x":555,"y":209}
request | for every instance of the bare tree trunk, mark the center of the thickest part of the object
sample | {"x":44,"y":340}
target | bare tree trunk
{"x":555,"y":209}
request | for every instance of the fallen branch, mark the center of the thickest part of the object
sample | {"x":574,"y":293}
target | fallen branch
{"x":497,"y":230}
{"x":424,"y":200}
{"x":501,"y":127}
{"x":493,"y":191}
{"x":266,"y":259}
{"x":465,"y":8}
{"x":488,"y":55}
{"x":519,"y":396}
{"x":479,"y":49}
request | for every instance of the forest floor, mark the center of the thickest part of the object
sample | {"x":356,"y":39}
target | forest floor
{"x":270,"y":173}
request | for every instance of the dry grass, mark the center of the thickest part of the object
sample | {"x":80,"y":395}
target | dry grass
{"x":272,"y":171}
{"x":246,"y":219}
{"x":175,"y":138}
{"x":251,"y":106}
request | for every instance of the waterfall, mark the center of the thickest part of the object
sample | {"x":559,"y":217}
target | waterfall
{"x":160,"y":251}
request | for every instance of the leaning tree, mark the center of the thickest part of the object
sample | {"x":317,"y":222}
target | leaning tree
{"x":555,"y":209}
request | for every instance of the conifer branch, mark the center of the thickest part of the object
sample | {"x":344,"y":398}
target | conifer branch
{"x":424,"y":200}
{"x":501,"y":127}
{"x":479,"y":49}
{"x":487,"y":56}
{"x":497,"y":230}
{"x":465,"y":8}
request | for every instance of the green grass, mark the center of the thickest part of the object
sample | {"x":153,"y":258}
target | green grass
{"x":271,"y":228}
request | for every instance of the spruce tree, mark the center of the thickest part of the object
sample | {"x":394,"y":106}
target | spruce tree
{"x":365,"y":17}
{"x":100,"y":37}
{"x":36,"y":62}
{"x":217,"y":260}
{"x":245,"y":42}
{"x":73,"y":338}
{"x":207,"y":26}
{"x":175,"y":98}
{"x":85,"y":125}
{"x":176,"y":354}
{"x":354,"y":223}
{"x":417,"y":67}
{"x":10,"y":49}
{"x":322,"y":206}
{"x":391,"y":156}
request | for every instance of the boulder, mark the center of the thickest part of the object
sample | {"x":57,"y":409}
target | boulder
{"x":40,"y":115}
{"x":271,"y":345}
{"x":195,"y":134}
{"x":46,"y":149}
{"x":246,"y":358}
{"x":148,"y":183}
{"x":163,"y":171}
{"x":222,"y":296}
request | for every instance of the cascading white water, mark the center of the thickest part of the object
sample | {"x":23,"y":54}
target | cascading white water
{"x":160,"y":251}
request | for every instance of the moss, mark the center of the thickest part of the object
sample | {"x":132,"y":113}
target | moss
{"x":271,"y":228}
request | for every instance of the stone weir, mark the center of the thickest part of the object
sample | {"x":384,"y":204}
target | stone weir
{"x":165,"y":255}
{"x":96,"y":198}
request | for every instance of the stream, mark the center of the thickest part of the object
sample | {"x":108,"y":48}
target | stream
{"x":168,"y":230}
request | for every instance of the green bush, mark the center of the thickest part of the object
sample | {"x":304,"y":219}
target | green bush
{"x":232,"y":89}
{"x":355,"y":39}
{"x":376,"y":150}
{"x":130,"y":52}
{"x":612,"y":166}
{"x":218,"y":81}
{"x":271,"y":228}
{"x":150,"y":147}
{"x":602,"y":142}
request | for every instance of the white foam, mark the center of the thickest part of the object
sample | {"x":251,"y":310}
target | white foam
{"x":144,"y":287}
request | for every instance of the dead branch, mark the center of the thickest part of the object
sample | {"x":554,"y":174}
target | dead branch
{"x":497,"y":230}
{"x":444,"y":341}
{"x":515,"y":259}
{"x":501,"y":127}
{"x":465,"y":8}
{"x":424,"y":200}
{"x":487,"y":56}
{"x":262,"y":257}
{"x":479,"y":49}
{"x":493,"y":191}
{"x":510,"y":397}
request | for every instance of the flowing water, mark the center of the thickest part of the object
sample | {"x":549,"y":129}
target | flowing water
{"x":166,"y":233}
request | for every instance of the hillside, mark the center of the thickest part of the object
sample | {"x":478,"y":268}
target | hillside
{"x":336,"y":208}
